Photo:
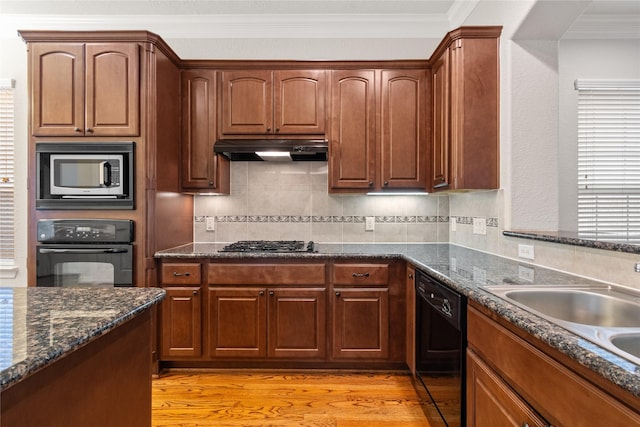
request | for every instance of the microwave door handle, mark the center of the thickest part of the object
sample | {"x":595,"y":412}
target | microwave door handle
{"x":105,"y":174}
{"x":83,"y":251}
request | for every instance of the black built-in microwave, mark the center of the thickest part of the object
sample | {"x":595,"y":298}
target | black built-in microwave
{"x":98,"y":175}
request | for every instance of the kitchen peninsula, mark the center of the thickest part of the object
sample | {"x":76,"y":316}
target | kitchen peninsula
{"x":76,"y":357}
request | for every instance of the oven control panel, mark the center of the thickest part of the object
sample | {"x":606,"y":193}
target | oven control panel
{"x":85,"y":230}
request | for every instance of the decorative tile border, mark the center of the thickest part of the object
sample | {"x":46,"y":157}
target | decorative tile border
{"x":468,"y":220}
{"x":336,"y":219}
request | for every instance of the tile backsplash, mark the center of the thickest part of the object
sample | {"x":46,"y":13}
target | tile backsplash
{"x":290,"y":201}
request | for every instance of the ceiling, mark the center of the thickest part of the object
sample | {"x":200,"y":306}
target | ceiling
{"x":422,"y":19}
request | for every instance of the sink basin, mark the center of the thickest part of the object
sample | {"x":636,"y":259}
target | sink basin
{"x":629,"y":343}
{"x":579,"y":306}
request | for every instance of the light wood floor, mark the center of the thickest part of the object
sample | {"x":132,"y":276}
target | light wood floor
{"x":285,"y":398}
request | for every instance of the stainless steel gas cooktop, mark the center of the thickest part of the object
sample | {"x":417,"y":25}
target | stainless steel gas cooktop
{"x":273,"y":246}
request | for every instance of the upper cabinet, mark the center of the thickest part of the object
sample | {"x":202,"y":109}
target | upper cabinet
{"x":265,"y":102}
{"x":85,"y":89}
{"x":202,"y":169}
{"x":378,"y":135}
{"x":465,"y":110}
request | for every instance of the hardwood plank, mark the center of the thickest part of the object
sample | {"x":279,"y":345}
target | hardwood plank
{"x":187,"y":398}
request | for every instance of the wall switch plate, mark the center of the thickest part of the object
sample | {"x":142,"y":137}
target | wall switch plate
{"x":454,"y":223}
{"x":369,"y":223}
{"x":210,"y":223}
{"x":480,"y":275}
{"x":526,"y":251}
{"x":479,"y":226}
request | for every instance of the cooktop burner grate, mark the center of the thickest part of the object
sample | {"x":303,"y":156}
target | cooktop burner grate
{"x":280,"y":246}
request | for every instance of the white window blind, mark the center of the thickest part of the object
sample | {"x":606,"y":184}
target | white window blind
{"x":609,"y":160}
{"x":7,"y":230}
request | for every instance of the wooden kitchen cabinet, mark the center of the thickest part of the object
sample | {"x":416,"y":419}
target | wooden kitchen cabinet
{"x":267,"y":310}
{"x":369,"y":154}
{"x":465,"y":110}
{"x":272,"y":103}
{"x":512,"y":378}
{"x":202,"y":169}
{"x":85,"y":89}
{"x":360,"y":311}
{"x":181,"y":311}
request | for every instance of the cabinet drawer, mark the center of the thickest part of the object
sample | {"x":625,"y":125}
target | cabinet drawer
{"x":361,"y":274}
{"x":267,"y":274}
{"x":559,"y":394}
{"x":181,"y":273}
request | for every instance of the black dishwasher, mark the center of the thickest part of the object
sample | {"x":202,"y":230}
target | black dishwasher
{"x":441,"y":343}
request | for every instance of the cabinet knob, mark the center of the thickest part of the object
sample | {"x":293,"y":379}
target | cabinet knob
{"x":410,"y":276}
{"x":360,"y":274}
{"x":89,"y":130}
{"x":386,"y":183}
{"x":370,"y":183}
{"x":277,"y":129}
{"x":77,"y":130}
{"x":337,"y":294}
{"x":268,"y":129}
{"x":271,"y":293}
{"x":261,"y":293}
{"x":210,"y":183}
{"x":176,"y":274}
{"x":195,"y":292}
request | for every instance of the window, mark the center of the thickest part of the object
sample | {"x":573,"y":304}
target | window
{"x":609,"y":160}
{"x":7,"y":230}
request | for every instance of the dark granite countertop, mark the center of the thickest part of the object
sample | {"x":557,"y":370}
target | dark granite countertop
{"x":41,"y":325}
{"x":469,"y":272}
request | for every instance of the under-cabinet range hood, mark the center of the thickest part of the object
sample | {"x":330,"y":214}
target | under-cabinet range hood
{"x":273,"y":149}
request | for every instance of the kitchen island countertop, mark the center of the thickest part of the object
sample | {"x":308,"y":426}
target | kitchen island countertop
{"x":467,"y":271}
{"x":39,"y":326}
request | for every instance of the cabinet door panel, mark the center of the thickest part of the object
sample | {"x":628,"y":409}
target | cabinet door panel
{"x":299,"y":102}
{"x":361,"y":323}
{"x":297,"y":323}
{"x":440,"y":148}
{"x":403,"y":137}
{"x":57,"y":89}
{"x":112,"y":89}
{"x":181,"y":323}
{"x":237,"y":322}
{"x":246,"y":102}
{"x":492,"y":403}
{"x":353,"y":129}
{"x":201,"y":167}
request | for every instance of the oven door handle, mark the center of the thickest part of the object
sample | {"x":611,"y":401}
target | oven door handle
{"x":83,"y":251}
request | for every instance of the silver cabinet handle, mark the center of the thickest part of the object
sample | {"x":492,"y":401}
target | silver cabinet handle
{"x":360,"y":274}
{"x":176,"y":274}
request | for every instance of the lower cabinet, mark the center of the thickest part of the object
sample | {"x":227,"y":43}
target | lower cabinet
{"x":267,"y":322}
{"x":324,"y":314}
{"x":512,"y":382}
{"x":180,"y":311}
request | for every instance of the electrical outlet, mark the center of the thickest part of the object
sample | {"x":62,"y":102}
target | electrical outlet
{"x":369,"y":223}
{"x":525,"y":273}
{"x":526,"y":251}
{"x":210,"y":223}
{"x":480,"y":275}
{"x":479,"y":226}
{"x":454,"y":223}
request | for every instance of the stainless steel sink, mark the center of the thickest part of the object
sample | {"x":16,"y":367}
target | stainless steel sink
{"x":580,"y":306}
{"x":629,"y":343}
{"x":606,"y":315}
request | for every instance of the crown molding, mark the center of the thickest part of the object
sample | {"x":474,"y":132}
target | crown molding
{"x":605,"y":27}
{"x":329,"y":26}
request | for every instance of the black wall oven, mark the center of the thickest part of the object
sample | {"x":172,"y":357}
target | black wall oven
{"x":84,"y":253}
{"x":441,"y":343}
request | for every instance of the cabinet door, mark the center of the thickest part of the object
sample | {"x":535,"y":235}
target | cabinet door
{"x":361,"y":323}
{"x":57,"y":89}
{"x":112,"y":89}
{"x":246,"y":102}
{"x":403,"y":135}
{"x":181,"y":323}
{"x":440,"y":135}
{"x":237,"y":322}
{"x":297,"y":322}
{"x":353,"y":128}
{"x":491,"y":402}
{"x":299,"y":102}
{"x":201,"y":167}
